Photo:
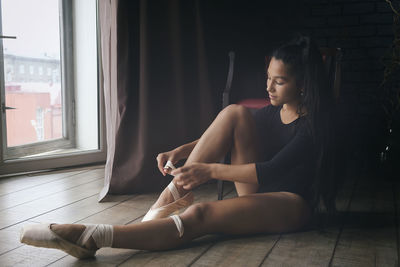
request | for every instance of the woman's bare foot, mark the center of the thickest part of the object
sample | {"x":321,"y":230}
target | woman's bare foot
{"x":166,"y":197}
{"x":72,"y":232}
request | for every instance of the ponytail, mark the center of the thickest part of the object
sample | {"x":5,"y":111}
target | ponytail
{"x":304,"y":60}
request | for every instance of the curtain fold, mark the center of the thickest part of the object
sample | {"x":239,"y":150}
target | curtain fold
{"x":108,"y":43}
{"x":156,"y":87}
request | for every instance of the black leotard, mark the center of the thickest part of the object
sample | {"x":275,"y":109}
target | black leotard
{"x":288,"y":160}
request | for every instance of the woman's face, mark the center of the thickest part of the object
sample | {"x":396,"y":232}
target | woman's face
{"x":281,"y":84}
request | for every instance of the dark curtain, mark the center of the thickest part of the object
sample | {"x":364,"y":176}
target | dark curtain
{"x":163,"y":94}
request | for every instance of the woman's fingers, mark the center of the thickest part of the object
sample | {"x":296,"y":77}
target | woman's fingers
{"x":190,"y":185}
{"x":179,"y":175}
{"x":161,"y":160}
{"x":177,"y":171}
{"x":184,"y":169}
{"x":190,"y":176}
{"x":183,"y":182}
{"x":166,"y":161}
{"x":183,"y":178}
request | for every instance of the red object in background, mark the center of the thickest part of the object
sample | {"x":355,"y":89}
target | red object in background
{"x":254,"y":103}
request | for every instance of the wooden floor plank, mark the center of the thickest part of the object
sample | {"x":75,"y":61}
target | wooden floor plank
{"x":14,"y":184}
{"x":172,"y":258}
{"x":239,"y":251}
{"x":35,"y":208}
{"x":369,"y":234}
{"x":50,"y":188}
{"x":9,"y":238}
{"x":30,"y":256}
{"x":81,"y":210}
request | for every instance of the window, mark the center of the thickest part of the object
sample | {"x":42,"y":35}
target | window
{"x":54,"y":118}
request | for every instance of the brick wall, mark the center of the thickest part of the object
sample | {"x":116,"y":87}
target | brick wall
{"x":364,"y":30}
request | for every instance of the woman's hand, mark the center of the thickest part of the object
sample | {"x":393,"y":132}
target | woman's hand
{"x":192,"y":175}
{"x":162,"y":158}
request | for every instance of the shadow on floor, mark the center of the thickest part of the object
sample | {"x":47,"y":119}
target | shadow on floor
{"x":354,"y":219}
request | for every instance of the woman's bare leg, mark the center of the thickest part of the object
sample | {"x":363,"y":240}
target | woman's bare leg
{"x":233,"y":129}
{"x":275,"y":212}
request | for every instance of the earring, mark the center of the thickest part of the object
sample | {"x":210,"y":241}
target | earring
{"x":301,"y":93}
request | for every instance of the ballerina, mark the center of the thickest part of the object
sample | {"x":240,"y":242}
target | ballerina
{"x":279,"y":158}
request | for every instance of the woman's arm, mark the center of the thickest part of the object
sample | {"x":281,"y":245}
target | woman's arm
{"x":195,"y":174}
{"x":243,"y":173}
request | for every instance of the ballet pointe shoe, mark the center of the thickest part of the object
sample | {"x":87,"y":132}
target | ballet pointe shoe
{"x":41,"y":235}
{"x":173,"y":207}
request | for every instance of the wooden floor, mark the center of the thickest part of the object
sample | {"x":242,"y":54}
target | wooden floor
{"x":365,"y":234}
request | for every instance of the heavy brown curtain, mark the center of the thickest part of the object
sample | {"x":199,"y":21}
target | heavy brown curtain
{"x":155,"y":80}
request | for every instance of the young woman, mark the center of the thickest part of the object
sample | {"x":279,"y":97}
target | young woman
{"x":280,"y":164}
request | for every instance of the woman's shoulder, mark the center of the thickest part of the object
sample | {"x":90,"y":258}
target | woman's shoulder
{"x":269,"y":109}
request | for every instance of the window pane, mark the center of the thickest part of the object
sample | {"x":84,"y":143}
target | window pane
{"x":34,"y":93}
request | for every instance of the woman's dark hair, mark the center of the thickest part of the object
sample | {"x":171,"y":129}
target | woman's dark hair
{"x":304,"y":60}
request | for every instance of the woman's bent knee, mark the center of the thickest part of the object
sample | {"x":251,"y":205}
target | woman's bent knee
{"x":196,"y":212}
{"x":237,"y":110}
{"x":237,"y":113}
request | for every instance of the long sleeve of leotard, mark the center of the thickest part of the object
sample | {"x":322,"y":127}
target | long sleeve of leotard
{"x":296,"y":154}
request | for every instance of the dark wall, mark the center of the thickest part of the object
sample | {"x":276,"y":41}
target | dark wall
{"x":363,"y":29}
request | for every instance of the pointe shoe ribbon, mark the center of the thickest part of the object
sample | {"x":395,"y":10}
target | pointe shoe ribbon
{"x":41,"y":235}
{"x":169,"y":165}
{"x":165,"y":211}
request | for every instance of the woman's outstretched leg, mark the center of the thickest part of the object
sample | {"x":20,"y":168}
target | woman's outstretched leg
{"x":232,"y":130}
{"x":256,"y":213}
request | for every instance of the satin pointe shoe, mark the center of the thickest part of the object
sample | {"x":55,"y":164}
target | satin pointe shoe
{"x":41,"y":235}
{"x":173,"y":207}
